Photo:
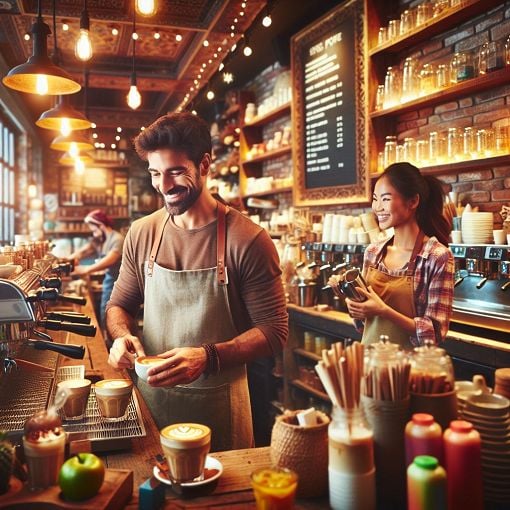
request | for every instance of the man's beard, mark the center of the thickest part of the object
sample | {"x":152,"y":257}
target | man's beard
{"x":189,"y":199}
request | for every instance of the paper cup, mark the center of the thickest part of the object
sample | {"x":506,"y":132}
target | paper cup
{"x":499,"y":236}
{"x":456,"y":236}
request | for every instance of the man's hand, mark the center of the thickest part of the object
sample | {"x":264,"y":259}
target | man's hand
{"x":79,"y":271}
{"x":123,"y":351}
{"x":183,"y":366}
{"x":372,"y":307}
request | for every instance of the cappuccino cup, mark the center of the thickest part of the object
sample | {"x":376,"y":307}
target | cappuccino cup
{"x":78,"y":395}
{"x":113,"y":396}
{"x":143,"y":363}
{"x":185,"y":446}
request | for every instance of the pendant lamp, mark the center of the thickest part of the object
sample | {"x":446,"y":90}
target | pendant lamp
{"x":74,"y":144}
{"x":63,"y":117}
{"x":134,"y":99}
{"x":39,"y":75}
{"x":69,"y":160}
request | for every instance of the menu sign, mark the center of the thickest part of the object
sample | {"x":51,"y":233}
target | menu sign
{"x":328,"y":64}
{"x":330,"y":117}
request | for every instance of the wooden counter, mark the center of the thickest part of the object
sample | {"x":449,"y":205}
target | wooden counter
{"x":233,"y":490}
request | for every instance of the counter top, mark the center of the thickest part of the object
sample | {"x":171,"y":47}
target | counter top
{"x":233,"y":490}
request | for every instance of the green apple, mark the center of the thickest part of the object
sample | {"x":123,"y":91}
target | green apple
{"x":81,"y":476}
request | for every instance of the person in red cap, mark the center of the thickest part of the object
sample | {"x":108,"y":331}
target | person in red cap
{"x":106,"y":246}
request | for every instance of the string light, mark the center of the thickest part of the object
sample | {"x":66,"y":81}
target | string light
{"x":206,"y":43}
{"x":267,"y":21}
{"x":94,"y":135}
{"x":178,"y":37}
{"x":119,"y":129}
{"x":210,"y":95}
{"x":26,"y":37}
{"x":65,"y":27}
{"x":93,"y":125}
{"x":115,"y":31}
{"x":157,"y":35}
{"x":228,"y":78}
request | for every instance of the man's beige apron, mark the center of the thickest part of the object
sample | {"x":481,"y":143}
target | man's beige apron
{"x":187,"y":309}
{"x":398,"y":293}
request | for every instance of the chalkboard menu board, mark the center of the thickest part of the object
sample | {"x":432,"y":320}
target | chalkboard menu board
{"x":329,"y":109}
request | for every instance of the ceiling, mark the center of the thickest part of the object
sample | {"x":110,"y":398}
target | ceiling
{"x":166,"y":68}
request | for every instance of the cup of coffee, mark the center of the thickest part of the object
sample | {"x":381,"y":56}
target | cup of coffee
{"x":185,"y":446}
{"x":78,"y":395}
{"x":143,"y":363}
{"x":113,"y":396}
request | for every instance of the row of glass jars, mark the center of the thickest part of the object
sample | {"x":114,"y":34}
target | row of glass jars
{"x":415,"y":17}
{"x":415,"y":80}
{"x":441,"y":147}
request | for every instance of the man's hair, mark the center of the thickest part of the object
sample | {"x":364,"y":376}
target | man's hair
{"x":177,"y":131}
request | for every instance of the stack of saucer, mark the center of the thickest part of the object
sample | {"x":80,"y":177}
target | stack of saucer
{"x":502,"y":384}
{"x":490,"y":415}
{"x":477,"y":227}
{"x":465,"y":389}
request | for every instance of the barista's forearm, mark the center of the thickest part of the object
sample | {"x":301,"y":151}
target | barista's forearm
{"x":244,"y":348}
{"x":119,"y":322}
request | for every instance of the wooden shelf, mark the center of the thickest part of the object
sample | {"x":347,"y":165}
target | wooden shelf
{"x":307,"y":354}
{"x":304,"y":387}
{"x":272,"y":191}
{"x":461,"y":166}
{"x":269,"y":117}
{"x":67,"y":232}
{"x":464,"y":88}
{"x":451,"y":18}
{"x":267,"y":156}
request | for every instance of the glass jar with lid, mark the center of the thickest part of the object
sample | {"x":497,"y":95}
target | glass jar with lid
{"x":454,"y":145}
{"x":391,"y":87}
{"x":462,"y":67}
{"x":442,"y":76}
{"x":390,"y":151}
{"x":409,"y":150}
{"x":427,"y":79}
{"x":491,"y":57}
{"x":431,"y":370}
{"x":409,"y":80}
{"x":379,"y":98}
{"x":469,"y":143}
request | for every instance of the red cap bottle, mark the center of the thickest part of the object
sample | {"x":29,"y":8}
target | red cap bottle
{"x":423,"y":436}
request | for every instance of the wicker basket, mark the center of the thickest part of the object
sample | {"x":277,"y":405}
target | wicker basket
{"x":304,"y":450}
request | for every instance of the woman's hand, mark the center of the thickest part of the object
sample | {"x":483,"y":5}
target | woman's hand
{"x":372,"y":307}
{"x":183,"y":366}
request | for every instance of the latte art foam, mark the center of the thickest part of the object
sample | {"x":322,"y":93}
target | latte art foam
{"x":150,"y":360}
{"x":185,"y":432}
{"x":185,"y":435}
{"x":113,"y":384}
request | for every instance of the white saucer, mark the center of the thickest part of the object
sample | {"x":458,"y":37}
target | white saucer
{"x":210,"y":463}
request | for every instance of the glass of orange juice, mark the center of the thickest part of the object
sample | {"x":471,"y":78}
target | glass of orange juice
{"x":274,"y":488}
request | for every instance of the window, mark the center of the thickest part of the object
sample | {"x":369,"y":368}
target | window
{"x":7,"y":183}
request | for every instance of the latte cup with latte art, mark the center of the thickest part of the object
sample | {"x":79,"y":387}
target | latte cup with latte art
{"x":113,"y":396}
{"x":143,"y":363}
{"x":186,"y":446}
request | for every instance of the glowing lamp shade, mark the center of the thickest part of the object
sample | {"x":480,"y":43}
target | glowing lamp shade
{"x":64,"y":118}
{"x":146,"y":7}
{"x":69,"y":160}
{"x":39,"y":75}
{"x":74,"y":144}
{"x":134,"y":99}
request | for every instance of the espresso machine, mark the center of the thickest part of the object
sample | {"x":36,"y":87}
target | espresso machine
{"x":28,"y":355}
{"x":481,"y":308}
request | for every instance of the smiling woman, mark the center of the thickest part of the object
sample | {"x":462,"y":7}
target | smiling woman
{"x":410,"y":275}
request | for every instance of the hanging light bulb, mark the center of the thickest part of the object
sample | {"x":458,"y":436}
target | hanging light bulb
{"x":83,"y":47}
{"x":146,"y":7}
{"x":39,"y":75}
{"x":79,"y":166}
{"x":65,"y":126}
{"x":73,"y":150}
{"x":266,"y":20}
{"x":210,"y":95}
{"x":134,"y":99}
{"x":67,"y":159}
{"x":247,"y":51}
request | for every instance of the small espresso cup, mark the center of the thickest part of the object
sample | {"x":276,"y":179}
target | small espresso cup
{"x":185,"y":446}
{"x":456,"y":236}
{"x":76,"y":403}
{"x":113,"y":396}
{"x":499,"y":236}
{"x":143,"y":363}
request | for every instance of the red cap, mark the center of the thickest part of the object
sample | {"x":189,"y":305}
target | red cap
{"x":98,"y":216}
{"x":461,"y":426}
{"x":423,"y":419}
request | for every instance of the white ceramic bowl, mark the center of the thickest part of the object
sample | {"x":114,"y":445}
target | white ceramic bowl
{"x":143,"y":363}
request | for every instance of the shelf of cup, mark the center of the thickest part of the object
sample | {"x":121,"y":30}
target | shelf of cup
{"x":450,"y":18}
{"x":269,"y":116}
{"x":461,"y":166}
{"x":307,"y":354}
{"x":461,"y":89}
{"x":304,"y":387}
{"x":267,"y":155}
